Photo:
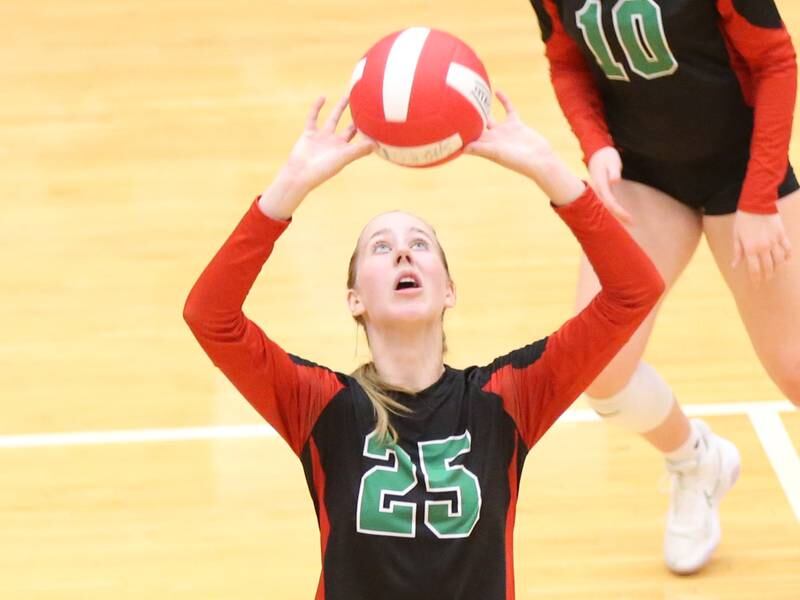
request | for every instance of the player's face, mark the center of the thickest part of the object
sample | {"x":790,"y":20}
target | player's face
{"x":400,"y":273}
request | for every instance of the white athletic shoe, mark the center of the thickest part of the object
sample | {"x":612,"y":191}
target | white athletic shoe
{"x":698,"y":485}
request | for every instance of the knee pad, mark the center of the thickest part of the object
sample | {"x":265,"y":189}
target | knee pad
{"x":641,"y":406}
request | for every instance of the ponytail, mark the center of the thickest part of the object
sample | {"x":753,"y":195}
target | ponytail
{"x":382,"y":403}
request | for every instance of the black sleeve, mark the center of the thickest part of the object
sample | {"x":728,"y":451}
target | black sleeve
{"x":762,"y":13}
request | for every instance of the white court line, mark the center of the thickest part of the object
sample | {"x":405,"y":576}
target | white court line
{"x":126,"y":436}
{"x":781,"y":453}
{"x":584,"y":415}
{"x":765,"y":417}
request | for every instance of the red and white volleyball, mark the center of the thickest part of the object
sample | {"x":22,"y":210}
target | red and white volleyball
{"x":422,"y":95}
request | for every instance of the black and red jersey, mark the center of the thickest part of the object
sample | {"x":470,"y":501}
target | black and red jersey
{"x":677,"y":80}
{"x":432,"y":516}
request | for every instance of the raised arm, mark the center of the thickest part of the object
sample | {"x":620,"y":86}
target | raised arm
{"x":288,"y":392}
{"x":539,"y":382}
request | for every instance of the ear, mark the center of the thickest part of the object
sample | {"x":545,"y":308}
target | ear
{"x":354,"y":303}
{"x":450,"y":295}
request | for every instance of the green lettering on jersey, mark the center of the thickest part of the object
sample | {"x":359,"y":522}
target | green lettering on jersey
{"x":589,"y":23}
{"x":640,"y":32}
{"x":379,"y":485}
{"x":445,"y":518}
{"x":380,"y":512}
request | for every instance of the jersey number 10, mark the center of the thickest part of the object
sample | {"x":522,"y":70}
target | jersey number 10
{"x":380,"y":510}
{"x":640,"y":31}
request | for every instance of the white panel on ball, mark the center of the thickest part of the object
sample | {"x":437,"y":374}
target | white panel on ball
{"x":415,"y":156}
{"x":358,"y":72}
{"x":472,"y":86}
{"x":398,"y":76}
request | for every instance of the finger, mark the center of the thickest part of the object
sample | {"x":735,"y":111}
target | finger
{"x":313,"y":115}
{"x":486,"y":136}
{"x":483,"y":149}
{"x":787,"y":247}
{"x":475,"y":148}
{"x":614,"y":172}
{"x":737,"y":253}
{"x":359,"y":149}
{"x":754,"y":268}
{"x":613,"y":175}
{"x":619,"y":212}
{"x":490,"y":122}
{"x":509,"y":108}
{"x":350,"y":132}
{"x":778,"y":256}
{"x":603,"y":189}
{"x":767,"y":265}
{"x":336,"y":114}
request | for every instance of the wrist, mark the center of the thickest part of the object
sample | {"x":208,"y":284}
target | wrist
{"x":594,"y":146}
{"x":283,"y":195}
{"x":556,"y":180}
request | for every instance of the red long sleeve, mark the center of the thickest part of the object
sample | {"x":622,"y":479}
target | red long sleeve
{"x":536,"y":392}
{"x":575,"y":88}
{"x":764,"y":61}
{"x":288,"y":392}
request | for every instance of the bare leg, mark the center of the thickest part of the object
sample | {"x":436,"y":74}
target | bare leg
{"x":669,"y":233}
{"x":771,"y":311}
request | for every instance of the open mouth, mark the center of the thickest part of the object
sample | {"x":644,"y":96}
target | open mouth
{"x":407,"y":282}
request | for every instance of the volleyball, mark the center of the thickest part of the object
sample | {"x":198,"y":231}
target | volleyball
{"x":421,"y":94}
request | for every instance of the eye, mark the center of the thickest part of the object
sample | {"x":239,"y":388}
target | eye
{"x":381,"y":247}
{"x":419,"y":244}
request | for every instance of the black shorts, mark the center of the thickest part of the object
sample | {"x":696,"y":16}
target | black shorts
{"x":710,"y":186}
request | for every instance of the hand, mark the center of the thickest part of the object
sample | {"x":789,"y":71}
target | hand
{"x":321,"y":153}
{"x":318,"y":155}
{"x":511,"y":144}
{"x":761,"y":242}
{"x":514,"y":145}
{"x":605,"y":169}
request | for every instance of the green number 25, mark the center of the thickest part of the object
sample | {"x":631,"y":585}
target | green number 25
{"x":380,"y":508}
{"x":640,"y":31}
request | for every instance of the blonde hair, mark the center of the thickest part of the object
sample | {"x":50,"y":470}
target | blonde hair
{"x":382,"y":403}
{"x":376,"y":389}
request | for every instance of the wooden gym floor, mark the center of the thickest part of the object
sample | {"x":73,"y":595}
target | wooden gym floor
{"x":133,"y":137}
